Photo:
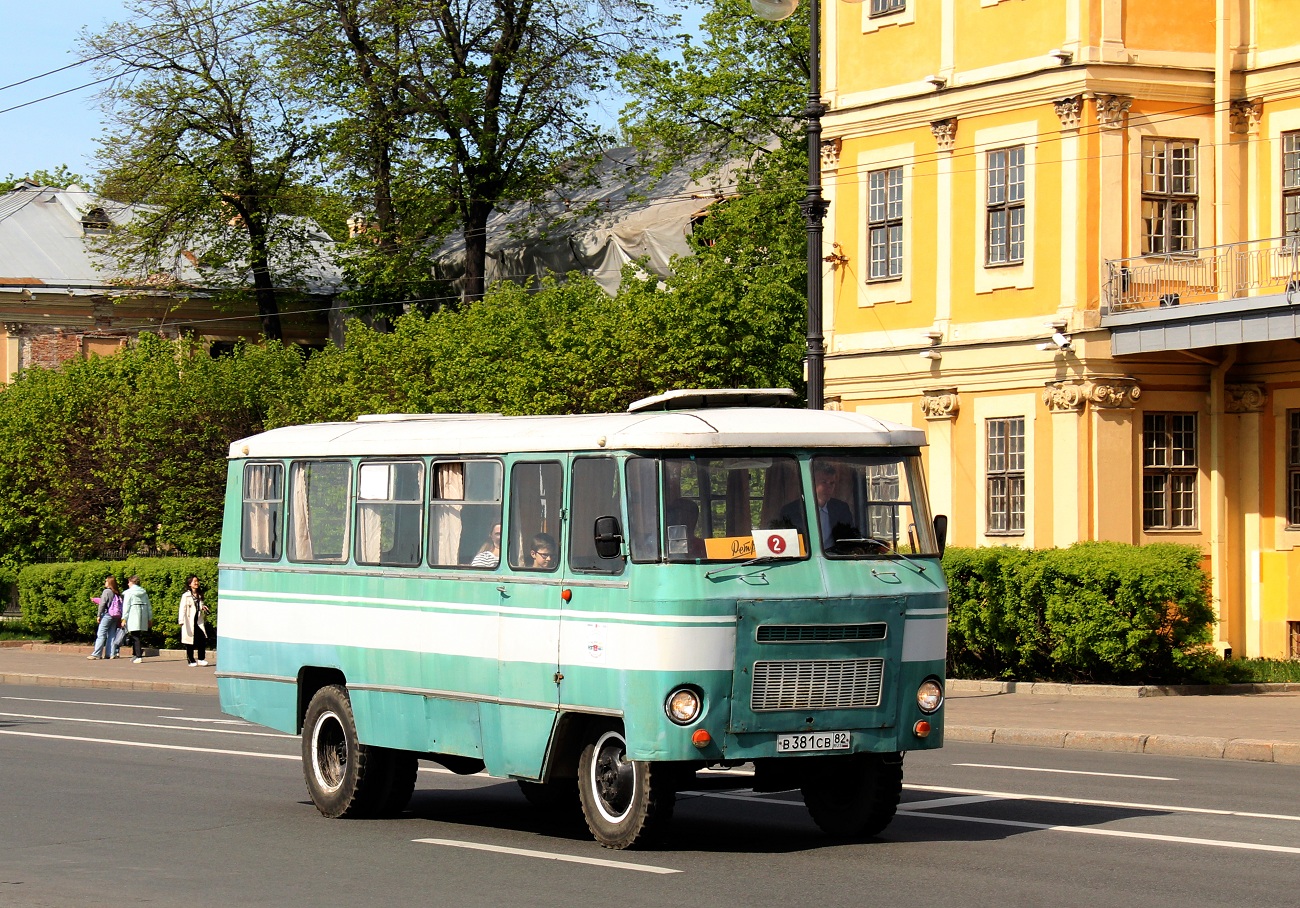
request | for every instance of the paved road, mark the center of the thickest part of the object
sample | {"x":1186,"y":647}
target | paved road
{"x":147,"y":796}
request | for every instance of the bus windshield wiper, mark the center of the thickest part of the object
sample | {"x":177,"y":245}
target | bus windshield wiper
{"x":885,"y":549}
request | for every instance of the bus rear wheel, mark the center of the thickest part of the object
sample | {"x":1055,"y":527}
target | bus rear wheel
{"x":344,"y":777}
{"x":623,"y":800}
{"x":858,"y":797}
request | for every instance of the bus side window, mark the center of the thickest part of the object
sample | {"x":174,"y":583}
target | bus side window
{"x":536,"y":496}
{"x":594,"y":493}
{"x":464,"y":508}
{"x":643,"y":509}
{"x":389,"y":507}
{"x":263,"y":502}
{"x":319,"y":502}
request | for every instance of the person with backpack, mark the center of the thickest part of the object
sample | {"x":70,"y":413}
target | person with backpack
{"x":108,"y":616}
{"x":137,"y":615}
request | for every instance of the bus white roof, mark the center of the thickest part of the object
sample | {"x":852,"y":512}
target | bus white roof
{"x":672,"y":430}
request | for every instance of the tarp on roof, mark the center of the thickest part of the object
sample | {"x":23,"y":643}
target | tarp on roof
{"x":623,"y":217}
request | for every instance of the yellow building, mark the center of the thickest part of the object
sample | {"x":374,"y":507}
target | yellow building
{"x":1065,"y":234}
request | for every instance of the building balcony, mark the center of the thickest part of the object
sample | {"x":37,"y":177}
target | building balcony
{"x":1212,"y":296}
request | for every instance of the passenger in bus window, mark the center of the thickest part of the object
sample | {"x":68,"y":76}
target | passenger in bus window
{"x":834,"y":519}
{"x":543,"y":552}
{"x":489,"y":554}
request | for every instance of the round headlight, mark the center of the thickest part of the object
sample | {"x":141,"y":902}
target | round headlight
{"x":929,"y":696}
{"x":683,"y":705}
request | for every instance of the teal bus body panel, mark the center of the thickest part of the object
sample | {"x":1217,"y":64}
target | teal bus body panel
{"x":482,"y":663}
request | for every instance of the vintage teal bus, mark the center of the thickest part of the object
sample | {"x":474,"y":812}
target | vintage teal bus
{"x":596,"y":606}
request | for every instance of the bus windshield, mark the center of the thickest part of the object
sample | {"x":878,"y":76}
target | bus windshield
{"x":871,"y":506}
{"x":864,"y":506}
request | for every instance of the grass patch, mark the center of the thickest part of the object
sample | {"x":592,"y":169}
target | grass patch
{"x":17,"y":629}
{"x":1262,"y":671}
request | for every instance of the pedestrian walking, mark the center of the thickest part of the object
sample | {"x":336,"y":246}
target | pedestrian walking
{"x":192,"y":618}
{"x":108,"y":617}
{"x":137,"y":615}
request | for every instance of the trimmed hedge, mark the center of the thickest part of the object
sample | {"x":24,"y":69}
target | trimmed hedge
{"x":55,"y":598}
{"x":1098,"y":612}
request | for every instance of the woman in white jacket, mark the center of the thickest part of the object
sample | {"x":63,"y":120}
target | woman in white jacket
{"x":193,"y":621}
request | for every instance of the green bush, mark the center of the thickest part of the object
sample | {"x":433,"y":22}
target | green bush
{"x":1094,"y":612}
{"x":56,"y":598}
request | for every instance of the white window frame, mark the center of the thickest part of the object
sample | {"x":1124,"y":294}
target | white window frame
{"x":1017,"y":275}
{"x":899,"y":290}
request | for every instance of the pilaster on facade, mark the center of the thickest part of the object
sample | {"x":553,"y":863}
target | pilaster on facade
{"x":1069,"y":111}
{"x":831,"y":153}
{"x":1244,"y":397}
{"x":1112,"y":392}
{"x":1112,"y":110}
{"x":941,"y":404}
{"x":945,"y":133}
{"x":1064,"y":397}
{"x":1244,"y":116}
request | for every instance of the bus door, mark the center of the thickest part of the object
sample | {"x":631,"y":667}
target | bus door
{"x":596,"y":588}
{"x":528,"y":636}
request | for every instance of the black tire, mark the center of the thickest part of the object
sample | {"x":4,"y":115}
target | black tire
{"x":395,"y":793}
{"x":623,"y":801}
{"x":858,"y":797}
{"x":340,"y":777}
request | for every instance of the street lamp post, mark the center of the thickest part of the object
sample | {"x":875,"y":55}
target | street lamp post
{"x":814,"y":203}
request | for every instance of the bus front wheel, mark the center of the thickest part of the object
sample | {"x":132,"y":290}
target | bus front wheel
{"x":344,"y":777}
{"x":623,"y":800}
{"x":858,"y":797}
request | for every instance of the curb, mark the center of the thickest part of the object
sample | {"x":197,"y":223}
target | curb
{"x":1245,"y":749}
{"x":1115,"y":691}
{"x":172,"y":687}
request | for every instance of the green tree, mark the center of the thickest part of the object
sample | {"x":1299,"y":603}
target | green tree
{"x":211,"y":144}
{"x":738,"y":92}
{"x":61,"y":176}
{"x":127,"y":452}
{"x":482,"y":99}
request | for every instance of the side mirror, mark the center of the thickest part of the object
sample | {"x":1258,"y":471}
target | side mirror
{"x":941,"y":531}
{"x":609,"y":537}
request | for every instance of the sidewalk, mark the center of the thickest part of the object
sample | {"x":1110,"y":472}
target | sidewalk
{"x":1261,"y":725}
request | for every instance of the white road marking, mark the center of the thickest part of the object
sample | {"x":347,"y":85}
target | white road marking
{"x":215,"y":731}
{"x":211,"y":721}
{"x":94,"y":703}
{"x":1112,"y":833}
{"x":548,"y":855}
{"x":149,"y":745}
{"x":948,"y":802}
{"x":1093,"y":802}
{"x":1068,"y":772}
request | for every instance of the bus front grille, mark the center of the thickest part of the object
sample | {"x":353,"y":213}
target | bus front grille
{"x":817,"y":684}
{"x":821,"y":633}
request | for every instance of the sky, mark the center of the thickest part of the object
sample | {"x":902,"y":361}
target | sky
{"x":41,"y":134}
{"x":40,"y":37}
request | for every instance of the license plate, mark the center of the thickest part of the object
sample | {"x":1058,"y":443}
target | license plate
{"x":812,"y":741}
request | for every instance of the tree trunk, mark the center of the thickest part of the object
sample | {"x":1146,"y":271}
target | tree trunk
{"x":476,"y":218}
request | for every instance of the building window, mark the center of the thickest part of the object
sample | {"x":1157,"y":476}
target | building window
{"x":881,"y":7}
{"x":1291,"y":183}
{"x":1293,"y":468}
{"x":885,"y":223}
{"x":1005,"y":476}
{"x":1005,"y":219}
{"x":1168,"y":196}
{"x":1169,"y":471}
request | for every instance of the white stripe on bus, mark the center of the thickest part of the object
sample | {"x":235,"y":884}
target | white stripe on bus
{"x":495,"y":637}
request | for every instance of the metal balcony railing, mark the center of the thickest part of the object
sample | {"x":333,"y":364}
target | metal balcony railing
{"x":1205,"y":275}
